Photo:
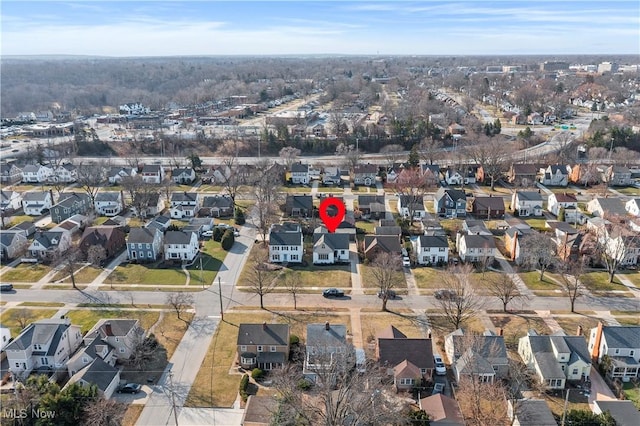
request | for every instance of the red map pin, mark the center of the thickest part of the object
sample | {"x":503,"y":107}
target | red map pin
{"x":331,"y":205}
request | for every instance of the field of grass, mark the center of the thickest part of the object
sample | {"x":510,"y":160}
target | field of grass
{"x":13,"y":317}
{"x":86,"y":275}
{"x":599,"y":281}
{"x":374,"y":323}
{"x":630,"y":190}
{"x":630,"y":319}
{"x":368,"y":280}
{"x":319,"y":276}
{"x":25,"y":272}
{"x":570,"y":324}
{"x":43,"y":304}
{"x":536,"y":223}
{"x":169,"y":330}
{"x":632,"y":393}
{"x":633,"y":276}
{"x":147,"y":274}
{"x":428,"y":278}
{"x":367,"y":225}
{"x":212,"y":256}
{"x":532,"y":280}
{"x":87,"y":318}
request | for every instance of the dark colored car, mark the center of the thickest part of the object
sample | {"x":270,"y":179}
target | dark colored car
{"x":333,"y":292}
{"x":130,"y":388}
{"x":445,"y":294}
{"x":391,"y":294}
{"x":6,"y":287}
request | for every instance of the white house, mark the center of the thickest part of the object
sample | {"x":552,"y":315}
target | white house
{"x":184,"y":205}
{"x":184,"y":175}
{"x":116,"y":174}
{"x":10,"y":201}
{"x":330,"y":248}
{"x":563,"y":200}
{"x":527,"y":203}
{"x":621,"y":344}
{"x":108,"y":203}
{"x":35,"y":173}
{"x":432,"y":249}
{"x":453,"y":177}
{"x":555,"y":358}
{"x":134,"y":108}
{"x":5,"y":336}
{"x":148,"y":204}
{"x":299,"y":174}
{"x":47,"y":343}
{"x":555,"y":175}
{"x":476,"y":248}
{"x":66,"y":173}
{"x":606,"y":207}
{"x":179,"y":245}
{"x":408,"y":204}
{"x":633,"y":207}
{"x":48,"y":244}
{"x":285,"y":243}
{"x":152,"y":173}
{"x":35,"y":203}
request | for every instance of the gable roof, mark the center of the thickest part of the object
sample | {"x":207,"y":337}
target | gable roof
{"x":287,"y":233}
{"x":365,"y":169}
{"x":141,"y":235}
{"x":623,"y":412}
{"x":486,"y":203}
{"x":454,"y":194}
{"x":299,"y":202}
{"x":479,"y":241}
{"x":622,"y":336}
{"x":184,"y":196}
{"x":151,"y":168}
{"x":107,"y":196}
{"x":7,"y":237}
{"x":434,"y":241}
{"x":48,"y":239}
{"x":332,"y":240}
{"x":529,"y":196}
{"x":534,"y":412}
{"x":327,"y":335}
{"x":442,"y":410}
{"x":112,"y":327}
{"x":391,"y":332}
{"x":525,"y":169}
{"x":564,"y":197}
{"x":406,"y":369}
{"x":177,"y":237}
{"x":299,"y":168}
{"x":219,"y":201}
{"x":35,"y":196}
{"x":386,"y":243}
{"x":98,"y":373}
{"x":263,"y":334}
{"x":472,"y":363}
{"x":418,"y":351}
{"x":42,"y":332}
{"x":416,"y":200}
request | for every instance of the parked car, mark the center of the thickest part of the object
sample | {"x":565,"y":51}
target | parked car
{"x":406,"y":261}
{"x":438,"y":388}
{"x":6,"y":287}
{"x":207,"y":234}
{"x":445,"y":294}
{"x":333,"y":292}
{"x":391,"y":294}
{"x":236,"y":232}
{"x":441,"y":370}
{"x":130,"y":388}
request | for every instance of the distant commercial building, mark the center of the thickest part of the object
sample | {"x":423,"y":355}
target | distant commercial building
{"x":554,"y":66}
{"x":607,"y":67}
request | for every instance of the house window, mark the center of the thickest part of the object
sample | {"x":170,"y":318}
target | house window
{"x":17,"y":365}
{"x":149,"y":255}
{"x":323,"y":256}
{"x":141,"y":254}
{"x":294,"y":257}
{"x":617,"y":351}
{"x":574,"y":371}
{"x":632,"y":352}
{"x":423,"y":371}
{"x":260,"y":348}
{"x":148,"y":246}
{"x":121,"y":350}
{"x":117,"y":339}
{"x":441,"y":249}
{"x":44,"y":361}
{"x":272,"y":349}
{"x":243,"y":348}
{"x":275,"y":257}
{"x":406,"y":381}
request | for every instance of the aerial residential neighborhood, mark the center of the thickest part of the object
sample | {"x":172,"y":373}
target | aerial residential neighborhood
{"x":177,"y":259}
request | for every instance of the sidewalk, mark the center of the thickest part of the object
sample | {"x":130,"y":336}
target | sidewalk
{"x":99,"y":280}
{"x":356,"y":281}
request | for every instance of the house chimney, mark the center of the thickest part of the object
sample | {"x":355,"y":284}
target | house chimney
{"x":501,"y":331}
{"x":595,"y":352}
{"x":326,"y":326}
{"x":429,"y":334}
{"x":264,"y":325}
{"x":579,"y":331}
{"x":107,"y":329}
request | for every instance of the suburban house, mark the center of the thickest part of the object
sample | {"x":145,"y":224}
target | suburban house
{"x":606,"y":206}
{"x":9,"y":173}
{"x":624,"y":413}
{"x":475,"y":227}
{"x":216,"y":206}
{"x":300,"y":174}
{"x":10,"y":201}
{"x":365,"y":174}
{"x":512,"y":239}
{"x":116,"y":174}
{"x":450,"y":203}
{"x":375,"y":244}
{"x":109,"y":203}
{"x":431,"y":227}
{"x":633,"y":206}
{"x":184,"y":205}
{"x":111,"y":238}
{"x":616,"y":175}
{"x":5,"y":337}
{"x":620,"y":345}
{"x":184,"y":175}
{"x":47,"y":245}
{"x":411,"y":205}
{"x":12,"y":244}
{"x":35,"y":173}
{"x":160,"y":222}
{"x":97,"y":372}
{"x":393,"y":172}
{"x":555,"y":202}
{"x":331,"y":176}
{"x":476,"y":248}
{"x":264,"y":346}
{"x":408,"y":360}
{"x":487,"y":207}
{"x":442,"y":410}
{"x":456,"y":129}
{"x":26,"y":228}
{"x":555,"y":175}
{"x":134,"y":108}
{"x":144,"y":244}
{"x":299,"y":205}
{"x":147,"y":204}
{"x":70,"y":204}
{"x":217,"y":174}
{"x":431,"y":174}
{"x":526,"y":203}
{"x":285,"y":243}
{"x":432,"y":250}
{"x":326,"y":349}
{"x":453,"y":177}
{"x":65,"y":173}
{"x":530,"y":412}
{"x":523,"y":175}
{"x":482,"y":356}
{"x":43,"y":345}
{"x":152,"y":173}
{"x":372,"y":206}
{"x":179,"y":245}
{"x":555,"y":358}
{"x":35,"y":203}
{"x":120,"y":333}
{"x":330,"y":248}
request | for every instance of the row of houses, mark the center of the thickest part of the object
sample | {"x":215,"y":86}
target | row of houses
{"x":526,"y":174}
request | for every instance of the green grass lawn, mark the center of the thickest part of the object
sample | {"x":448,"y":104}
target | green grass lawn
{"x":630,"y":319}
{"x":86,"y":275}
{"x":319,"y":275}
{"x":25,"y":272}
{"x":630,"y":190}
{"x":336,"y":190}
{"x":633,"y":276}
{"x":451,"y":225}
{"x":87,"y":318}
{"x":368,"y":280}
{"x":516,"y":326}
{"x":532,"y":280}
{"x":632,"y":393}
{"x":599,"y":281}
{"x":16,"y":219}
{"x":13,"y":317}
{"x":428,"y":278}
{"x":212,"y":256}
{"x":367,"y":225}
{"x":536,"y":223}
{"x":146,"y":274}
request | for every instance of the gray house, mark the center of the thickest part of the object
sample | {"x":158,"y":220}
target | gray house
{"x":450,"y":203}
{"x":70,"y":204}
{"x":481,"y":356}
{"x":144,"y":244}
{"x":326,"y":349}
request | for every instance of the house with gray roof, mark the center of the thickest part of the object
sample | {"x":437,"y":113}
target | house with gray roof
{"x":184,"y":205}
{"x":330,"y":248}
{"x":216,"y":206}
{"x":432,"y":249}
{"x":450,"y":203}
{"x":299,"y":205}
{"x":9,"y":173}
{"x":103,"y":375}
{"x":476,"y":248}
{"x":264,"y":346}
{"x":10,"y":201}
{"x":299,"y":173}
{"x":36,"y":173}
{"x":555,"y":175}
{"x":375,"y":244}
{"x":12,"y":244}
{"x":122,"y":334}
{"x":180,"y":246}
{"x":183,"y":175}
{"x":109,"y":203}
{"x":44,"y":345}
{"x":526,"y":203}
{"x":602,"y":207}
{"x":530,"y":412}
{"x":483,"y":356}
{"x":621,"y":345}
{"x":393,"y":348}
{"x":70,"y":204}
{"x":624,"y":413}
{"x":326,"y":350}
{"x":35,"y":203}
{"x":372,"y":206}
{"x":116,"y":174}
{"x":47,"y":245}
{"x":365,"y":174}
{"x":144,"y":244}
{"x":286,"y":243}
{"x":152,"y":173}
{"x":555,"y":358}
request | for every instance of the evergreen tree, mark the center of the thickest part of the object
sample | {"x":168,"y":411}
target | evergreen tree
{"x":561,"y":214}
{"x":414,"y":156}
{"x":227,"y":240}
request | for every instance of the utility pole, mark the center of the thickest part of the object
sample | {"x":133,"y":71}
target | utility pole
{"x":564,"y":412}
{"x":220,"y":294}
{"x":173,"y":398}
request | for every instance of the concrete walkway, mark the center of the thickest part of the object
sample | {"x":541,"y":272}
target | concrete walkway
{"x":507,"y":269}
{"x":356,"y":328}
{"x":99,"y":280}
{"x":412,"y":288}
{"x":599,"y":389}
{"x":356,"y":281}
{"x":607,"y":317}
{"x":549,"y":321}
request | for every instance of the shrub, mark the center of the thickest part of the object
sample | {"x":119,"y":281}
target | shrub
{"x":304,"y":384}
{"x":244,"y":383}
{"x":239,"y":218}
{"x":227,"y":240}
{"x":257,"y":373}
{"x":294,"y":340}
{"x":217,"y":234}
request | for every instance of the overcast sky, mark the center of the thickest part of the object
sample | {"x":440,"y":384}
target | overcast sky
{"x":166,"y":28}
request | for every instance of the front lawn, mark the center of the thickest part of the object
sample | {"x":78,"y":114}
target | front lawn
{"x":532,"y":280}
{"x":516,"y":326}
{"x":25,"y":273}
{"x":367,"y":225}
{"x":13,"y":318}
{"x":429,"y":278}
{"x":629,"y":190}
{"x":86,"y":275}
{"x":374,"y":323}
{"x":87,"y":318}
{"x":148,"y":274}
{"x":599,"y":281}
{"x":570,"y":324}
{"x":633,"y":276}
{"x":369,"y":281}
{"x":632,"y":393}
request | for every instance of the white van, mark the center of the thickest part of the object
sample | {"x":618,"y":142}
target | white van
{"x":361,"y":361}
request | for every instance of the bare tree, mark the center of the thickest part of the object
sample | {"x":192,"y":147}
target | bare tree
{"x":68,"y":262}
{"x":260,"y":279}
{"x":570,"y":274}
{"x":21,"y":316}
{"x":505,"y":289}
{"x":463,"y":303}
{"x":91,"y":177}
{"x":430,"y":150}
{"x":614,"y":243}
{"x":267,"y":194}
{"x":412,"y":186}
{"x":103,"y":412}
{"x":293,"y":285}
{"x":289,"y":154}
{"x":492,"y":155}
{"x":386,"y":270}
{"x":96,"y":254}
{"x":180,"y":302}
{"x":538,"y":251}
{"x":230,"y":175}
{"x":349,"y":154}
